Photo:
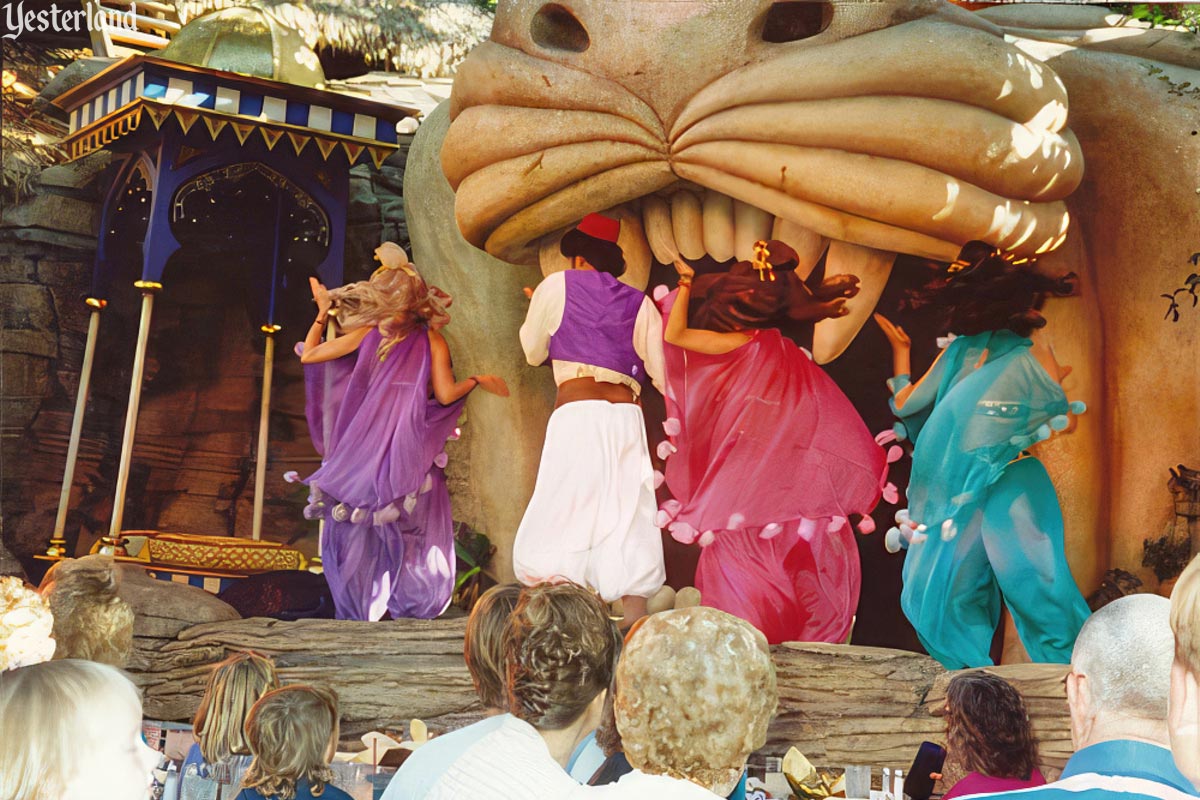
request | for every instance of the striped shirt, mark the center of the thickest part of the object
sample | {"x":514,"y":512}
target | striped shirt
{"x":1120,"y":769}
{"x":510,"y":763}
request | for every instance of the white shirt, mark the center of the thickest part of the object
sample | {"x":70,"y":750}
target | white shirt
{"x":510,"y":763}
{"x":426,"y":765}
{"x":545,"y":316}
{"x":637,"y":785}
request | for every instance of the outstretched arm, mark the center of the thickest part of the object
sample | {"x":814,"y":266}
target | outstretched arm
{"x":441,"y":374}
{"x":698,"y":341}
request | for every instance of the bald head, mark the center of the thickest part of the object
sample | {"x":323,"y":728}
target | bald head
{"x":1121,"y":672}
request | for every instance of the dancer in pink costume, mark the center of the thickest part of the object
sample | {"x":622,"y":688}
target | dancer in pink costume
{"x":767,"y":459}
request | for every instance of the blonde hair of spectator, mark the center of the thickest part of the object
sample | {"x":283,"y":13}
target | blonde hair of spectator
{"x":234,"y":686}
{"x":46,"y":711}
{"x":560,"y":649}
{"x":483,"y":645}
{"x":293,"y":734}
{"x":695,"y":693}
{"x":91,"y":621}
{"x":1185,"y":617}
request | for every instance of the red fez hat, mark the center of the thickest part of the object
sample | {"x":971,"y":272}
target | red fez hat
{"x":601,"y":227}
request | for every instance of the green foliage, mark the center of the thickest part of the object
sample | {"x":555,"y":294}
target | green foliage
{"x":1159,"y":15}
{"x":486,"y":5}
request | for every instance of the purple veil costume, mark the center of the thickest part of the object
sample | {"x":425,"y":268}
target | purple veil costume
{"x":388,"y":542}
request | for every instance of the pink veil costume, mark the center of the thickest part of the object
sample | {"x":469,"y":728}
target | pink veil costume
{"x":767,"y":461}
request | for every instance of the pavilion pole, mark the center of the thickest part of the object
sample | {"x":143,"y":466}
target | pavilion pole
{"x":114,"y":543}
{"x":58,"y":542}
{"x":264,"y":418}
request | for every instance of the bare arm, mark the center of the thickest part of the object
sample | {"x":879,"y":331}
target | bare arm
{"x":316,"y":351}
{"x":698,"y":341}
{"x":441,"y":375}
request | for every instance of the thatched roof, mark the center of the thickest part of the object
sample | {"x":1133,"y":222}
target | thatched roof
{"x":30,"y":140}
{"x":426,"y":38}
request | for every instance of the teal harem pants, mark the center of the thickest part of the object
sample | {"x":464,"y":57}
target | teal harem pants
{"x":1009,"y":546}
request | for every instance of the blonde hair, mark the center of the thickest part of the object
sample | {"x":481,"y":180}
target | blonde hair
{"x":560,"y":649}
{"x":1185,"y":617}
{"x":291,"y":731}
{"x":483,"y":645}
{"x":695,"y":693}
{"x":234,"y":686}
{"x":44,"y":712}
{"x":396,"y":299}
{"x":91,"y":621}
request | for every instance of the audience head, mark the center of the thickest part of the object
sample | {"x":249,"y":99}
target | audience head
{"x":293,"y":734}
{"x":91,"y":621}
{"x":987,"y":726}
{"x":26,"y":625}
{"x":559,"y":652}
{"x":695,"y":692}
{"x":483,"y":645}
{"x":69,"y":727}
{"x":234,"y":686}
{"x":1120,"y":672}
{"x":1184,"y":716}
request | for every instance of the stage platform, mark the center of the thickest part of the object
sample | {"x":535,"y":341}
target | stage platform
{"x":839,"y":704}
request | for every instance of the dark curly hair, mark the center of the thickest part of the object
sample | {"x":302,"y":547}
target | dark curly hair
{"x":987,"y":726}
{"x":603,"y":255}
{"x":560,"y":650}
{"x":989,"y":294}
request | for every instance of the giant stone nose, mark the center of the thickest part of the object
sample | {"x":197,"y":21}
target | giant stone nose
{"x":664,"y":51}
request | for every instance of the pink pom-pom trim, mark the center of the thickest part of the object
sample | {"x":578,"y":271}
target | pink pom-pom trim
{"x":894,"y":453}
{"x":660,"y":292}
{"x":891,"y":494}
{"x":707,"y":538}
{"x":658,"y":480}
{"x":665,"y":450}
{"x":672,"y":426}
{"x":771,"y":531}
{"x":866,"y":525}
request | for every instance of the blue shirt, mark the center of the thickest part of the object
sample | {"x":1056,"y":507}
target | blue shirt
{"x":421,"y":770}
{"x":1116,"y":770}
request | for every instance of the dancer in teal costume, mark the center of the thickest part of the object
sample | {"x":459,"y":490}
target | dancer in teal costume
{"x":983,"y":520}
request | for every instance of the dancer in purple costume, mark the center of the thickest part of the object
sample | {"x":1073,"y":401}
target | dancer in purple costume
{"x":380,"y":421}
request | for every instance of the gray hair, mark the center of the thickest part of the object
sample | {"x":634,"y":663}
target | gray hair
{"x":1125,"y":649}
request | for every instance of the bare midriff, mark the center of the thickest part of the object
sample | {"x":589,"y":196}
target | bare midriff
{"x":578,"y":389}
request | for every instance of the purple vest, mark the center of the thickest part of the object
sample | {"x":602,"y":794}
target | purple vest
{"x":597,"y":323}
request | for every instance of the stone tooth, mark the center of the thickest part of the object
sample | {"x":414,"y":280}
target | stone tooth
{"x":751,"y":224}
{"x":657,"y":217}
{"x":634,"y":246}
{"x":808,"y":244}
{"x":687,"y":223}
{"x":831,"y":337}
{"x":718,"y":225}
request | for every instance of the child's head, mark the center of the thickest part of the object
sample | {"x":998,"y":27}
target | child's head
{"x":234,"y":686}
{"x":293,"y":733}
{"x":47,"y":709}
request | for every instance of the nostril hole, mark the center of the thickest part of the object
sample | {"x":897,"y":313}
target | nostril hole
{"x":795,"y":20}
{"x":554,"y":27}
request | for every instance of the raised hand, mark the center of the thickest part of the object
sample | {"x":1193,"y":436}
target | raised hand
{"x":320,"y":295}
{"x":683,"y":268}
{"x":894,"y":333}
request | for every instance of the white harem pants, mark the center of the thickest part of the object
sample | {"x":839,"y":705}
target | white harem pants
{"x":591,"y":517}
